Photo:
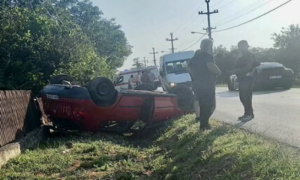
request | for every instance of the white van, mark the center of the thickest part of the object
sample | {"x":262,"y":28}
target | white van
{"x":173,"y":69}
{"x":121,"y":81}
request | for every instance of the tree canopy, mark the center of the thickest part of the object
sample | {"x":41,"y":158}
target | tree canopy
{"x":285,"y":50}
{"x":40,"y":38}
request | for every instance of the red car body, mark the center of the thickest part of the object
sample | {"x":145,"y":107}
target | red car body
{"x":72,"y":107}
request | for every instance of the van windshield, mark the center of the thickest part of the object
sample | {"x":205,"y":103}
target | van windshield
{"x":177,"y":67}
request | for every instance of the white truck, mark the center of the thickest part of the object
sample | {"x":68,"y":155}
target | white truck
{"x":121,"y":81}
{"x":173,"y":69}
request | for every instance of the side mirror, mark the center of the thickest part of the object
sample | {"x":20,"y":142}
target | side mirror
{"x":162,"y":73}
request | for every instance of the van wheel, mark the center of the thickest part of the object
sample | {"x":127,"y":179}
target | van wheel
{"x":101,"y":89}
{"x":60,"y":78}
{"x":144,"y":87}
{"x":185,"y":97}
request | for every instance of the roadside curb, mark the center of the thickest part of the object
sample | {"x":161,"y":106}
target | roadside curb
{"x":31,"y":140}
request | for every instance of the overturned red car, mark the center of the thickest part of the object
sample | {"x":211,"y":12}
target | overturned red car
{"x":99,"y":106}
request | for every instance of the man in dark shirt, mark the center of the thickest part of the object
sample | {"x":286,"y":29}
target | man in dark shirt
{"x":204,"y":73}
{"x":145,"y":78}
{"x":245,"y":71}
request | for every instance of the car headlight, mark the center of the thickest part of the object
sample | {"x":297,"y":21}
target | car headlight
{"x":172,"y":84}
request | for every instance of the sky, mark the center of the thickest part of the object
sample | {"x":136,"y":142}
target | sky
{"x":147,"y":23}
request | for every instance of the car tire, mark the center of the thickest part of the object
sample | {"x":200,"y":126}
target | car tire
{"x":101,"y":89}
{"x":230,"y":85}
{"x":60,"y":78}
{"x":144,"y":87}
{"x":185,"y":97}
{"x":288,"y":86}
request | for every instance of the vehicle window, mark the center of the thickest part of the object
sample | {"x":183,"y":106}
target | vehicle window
{"x":119,"y":80}
{"x":176,"y":66}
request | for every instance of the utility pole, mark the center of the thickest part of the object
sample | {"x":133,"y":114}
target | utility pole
{"x":172,"y":40}
{"x":145,"y":62}
{"x":154,"y":59}
{"x":208,"y":13}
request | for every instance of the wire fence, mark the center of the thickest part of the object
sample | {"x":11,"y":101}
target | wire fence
{"x":19,"y":114}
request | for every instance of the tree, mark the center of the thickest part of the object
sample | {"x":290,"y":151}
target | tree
{"x":41,"y":38}
{"x":108,"y":37}
{"x":35,"y":44}
{"x":225,"y":60}
{"x":287,"y":45}
{"x":137,"y":63}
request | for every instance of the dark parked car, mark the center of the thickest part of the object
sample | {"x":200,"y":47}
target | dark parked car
{"x":270,"y":75}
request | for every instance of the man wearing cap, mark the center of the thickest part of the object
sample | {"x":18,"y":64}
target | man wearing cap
{"x":204,"y":73}
{"x":245,"y":72}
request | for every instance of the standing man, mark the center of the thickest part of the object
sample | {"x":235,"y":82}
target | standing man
{"x":245,"y":72}
{"x":131,"y":83}
{"x":138,"y":78}
{"x":151,"y":76}
{"x":145,"y":77}
{"x":204,"y":73}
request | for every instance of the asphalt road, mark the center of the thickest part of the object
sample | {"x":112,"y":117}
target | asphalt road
{"x":277,"y":113}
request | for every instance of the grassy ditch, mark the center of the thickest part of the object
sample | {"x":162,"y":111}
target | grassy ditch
{"x":177,"y":151}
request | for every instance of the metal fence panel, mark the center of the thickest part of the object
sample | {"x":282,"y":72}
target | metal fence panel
{"x":18,"y":115}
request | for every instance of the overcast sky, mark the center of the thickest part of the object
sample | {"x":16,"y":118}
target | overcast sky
{"x":147,"y":23}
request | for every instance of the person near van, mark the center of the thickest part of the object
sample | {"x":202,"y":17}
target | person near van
{"x":245,"y":72}
{"x":204,"y":72}
{"x":145,"y":78}
{"x":138,"y":78}
{"x":151,"y":76}
{"x":131,"y":82}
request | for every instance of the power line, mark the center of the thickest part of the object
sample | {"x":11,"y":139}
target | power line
{"x":226,"y":4}
{"x":191,"y":24}
{"x":254,"y":18}
{"x":236,"y":14}
{"x":248,"y":12}
{"x":193,"y":14}
{"x":215,"y":3}
{"x":195,"y":42}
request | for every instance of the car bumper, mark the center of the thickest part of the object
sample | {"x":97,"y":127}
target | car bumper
{"x":274,"y":82}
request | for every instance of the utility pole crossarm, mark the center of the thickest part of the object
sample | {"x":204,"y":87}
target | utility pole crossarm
{"x":154,"y":58}
{"x":172,"y":40}
{"x":208,"y":13}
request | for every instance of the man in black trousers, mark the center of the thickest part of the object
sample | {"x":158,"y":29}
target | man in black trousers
{"x":204,"y":73}
{"x":245,"y":72}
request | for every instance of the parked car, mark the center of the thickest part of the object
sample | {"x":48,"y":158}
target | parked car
{"x":269,"y":76}
{"x":99,"y":106}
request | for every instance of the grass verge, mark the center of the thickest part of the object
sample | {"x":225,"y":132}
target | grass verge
{"x":177,"y":151}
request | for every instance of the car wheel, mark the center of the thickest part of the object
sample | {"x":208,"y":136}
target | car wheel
{"x":144,"y":87}
{"x":101,"y":89}
{"x":230,"y":85}
{"x":288,"y":86}
{"x":60,"y":78}
{"x":185,"y":97}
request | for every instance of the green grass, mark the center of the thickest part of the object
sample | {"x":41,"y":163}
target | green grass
{"x":178,"y":152}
